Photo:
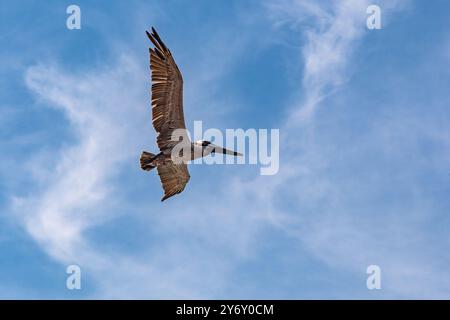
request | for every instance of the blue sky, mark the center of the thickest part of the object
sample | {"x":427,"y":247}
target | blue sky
{"x":364,"y":174}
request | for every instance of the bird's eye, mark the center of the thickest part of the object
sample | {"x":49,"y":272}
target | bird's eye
{"x":205,"y":143}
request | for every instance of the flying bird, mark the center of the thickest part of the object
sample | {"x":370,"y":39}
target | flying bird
{"x":167,"y":116}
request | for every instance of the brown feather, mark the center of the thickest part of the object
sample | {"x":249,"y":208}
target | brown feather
{"x":167,"y":112}
{"x":174,"y":178}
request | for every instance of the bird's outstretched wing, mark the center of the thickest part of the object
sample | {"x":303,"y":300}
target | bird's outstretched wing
{"x":167,"y":92}
{"x":174,"y":178}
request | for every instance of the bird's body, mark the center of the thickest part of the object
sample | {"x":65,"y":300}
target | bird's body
{"x":168,"y":121}
{"x":196,"y":150}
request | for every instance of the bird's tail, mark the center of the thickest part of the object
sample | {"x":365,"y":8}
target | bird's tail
{"x":147,"y":159}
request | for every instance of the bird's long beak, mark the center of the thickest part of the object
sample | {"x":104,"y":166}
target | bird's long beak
{"x":218,"y":149}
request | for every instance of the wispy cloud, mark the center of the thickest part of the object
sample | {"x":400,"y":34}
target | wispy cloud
{"x":80,"y":173}
{"x":330,"y":38}
{"x":333,"y":186}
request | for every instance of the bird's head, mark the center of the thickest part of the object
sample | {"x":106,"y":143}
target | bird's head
{"x":208,"y":148}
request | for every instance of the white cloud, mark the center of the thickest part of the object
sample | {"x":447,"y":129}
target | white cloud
{"x":336,"y":187}
{"x":94,"y":106}
{"x":336,"y":27}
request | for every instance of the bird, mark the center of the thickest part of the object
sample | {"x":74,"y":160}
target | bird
{"x":167,"y":119}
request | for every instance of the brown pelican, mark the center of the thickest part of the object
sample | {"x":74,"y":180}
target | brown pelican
{"x":167,"y":114}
